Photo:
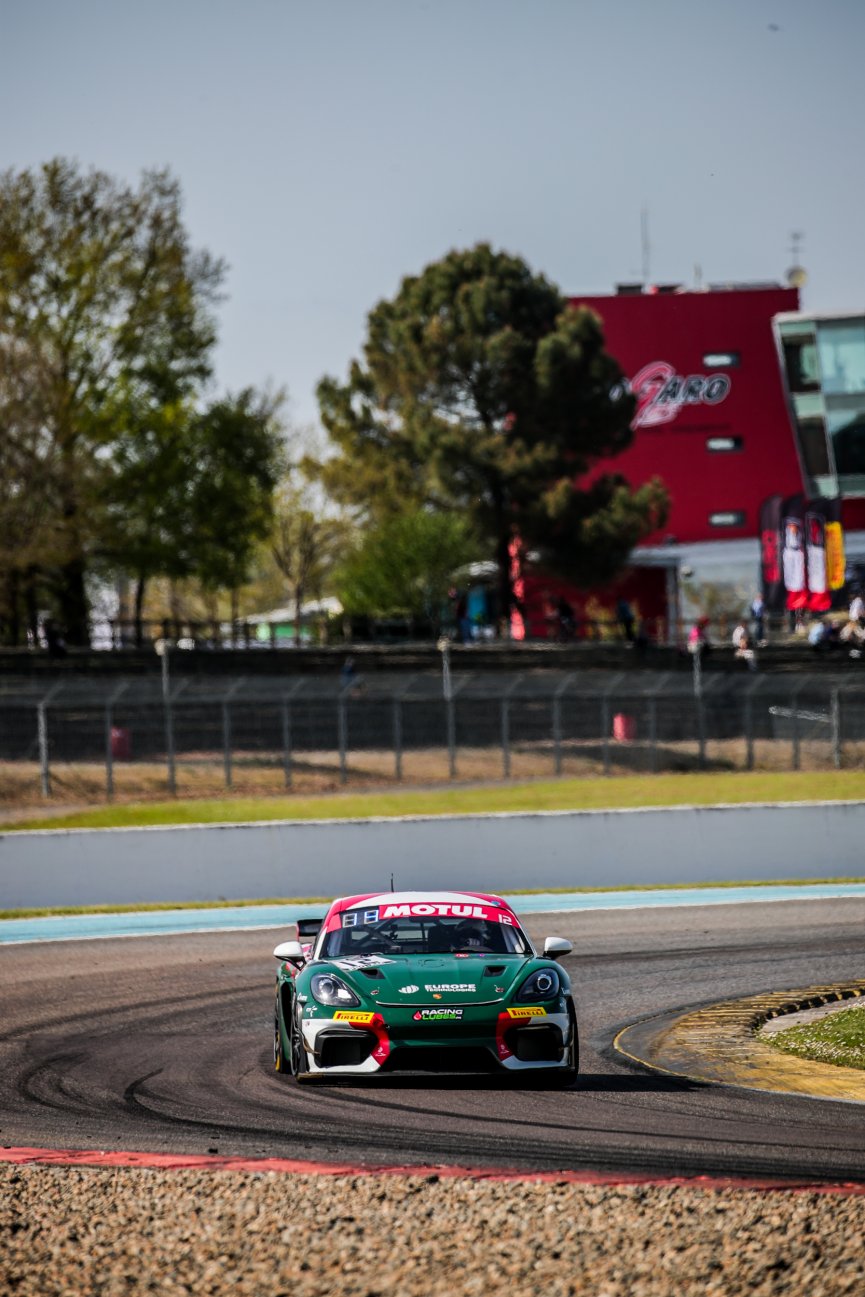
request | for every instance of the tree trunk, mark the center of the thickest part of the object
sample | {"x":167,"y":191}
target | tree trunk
{"x":140,"y":585}
{"x":298,"y":600}
{"x":505,"y":590}
{"x":12,"y":620}
{"x":72,"y":599}
{"x":31,"y":606}
{"x":234,"y":617}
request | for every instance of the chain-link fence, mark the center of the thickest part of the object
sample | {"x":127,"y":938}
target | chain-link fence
{"x":145,"y":737}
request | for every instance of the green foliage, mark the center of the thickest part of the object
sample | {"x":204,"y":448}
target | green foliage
{"x":838,"y":1038}
{"x":108,"y":312}
{"x":305,"y":542}
{"x":404,"y":565}
{"x":482,"y":391}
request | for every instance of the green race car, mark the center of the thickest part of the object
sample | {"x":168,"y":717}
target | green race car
{"x":422,"y":981}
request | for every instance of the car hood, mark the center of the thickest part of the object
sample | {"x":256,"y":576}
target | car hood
{"x":429,"y":979}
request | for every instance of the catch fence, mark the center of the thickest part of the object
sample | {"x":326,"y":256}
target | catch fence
{"x":145,"y":737}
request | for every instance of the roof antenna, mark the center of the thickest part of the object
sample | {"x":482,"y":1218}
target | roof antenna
{"x":646,"y":246}
{"x":391,"y":880}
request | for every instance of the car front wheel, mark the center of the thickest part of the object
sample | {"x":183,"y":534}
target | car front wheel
{"x":299,"y":1061}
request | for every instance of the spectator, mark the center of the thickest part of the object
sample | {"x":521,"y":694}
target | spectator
{"x":698,"y":637}
{"x":567,"y":620}
{"x":818,"y":634}
{"x":758,"y":613}
{"x":626,"y":619}
{"x":54,"y":641}
{"x":347,"y":675}
{"x":464,"y":625}
{"x":742,"y":646}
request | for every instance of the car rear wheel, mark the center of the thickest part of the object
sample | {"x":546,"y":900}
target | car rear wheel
{"x":280,"y":1062}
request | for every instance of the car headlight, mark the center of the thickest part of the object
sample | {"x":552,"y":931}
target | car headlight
{"x":545,"y":984}
{"x":329,"y":989}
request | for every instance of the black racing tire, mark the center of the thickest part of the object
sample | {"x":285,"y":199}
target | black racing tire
{"x":280,"y":1061}
{"x":569,"y":1073}
{"x":298,"y":1061}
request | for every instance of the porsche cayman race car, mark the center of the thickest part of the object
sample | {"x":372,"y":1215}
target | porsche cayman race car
{"x":422,"y":982}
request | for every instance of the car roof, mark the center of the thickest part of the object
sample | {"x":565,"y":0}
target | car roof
{"x":408,"y":898}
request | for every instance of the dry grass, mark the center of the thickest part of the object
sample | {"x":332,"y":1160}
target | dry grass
{"x":78,"y":785}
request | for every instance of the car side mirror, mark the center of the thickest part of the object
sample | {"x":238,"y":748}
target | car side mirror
{"x":555,"y":947}
{"x":290,"y":951}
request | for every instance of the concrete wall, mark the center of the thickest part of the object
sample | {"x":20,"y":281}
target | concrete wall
{"x":498,"y":853}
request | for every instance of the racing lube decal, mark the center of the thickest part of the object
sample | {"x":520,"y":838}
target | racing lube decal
{"x":425,"y":909}
{"x":437,"y":1015}
{"x":527,"y":1011}
{"x":353,"y":1016}
{"x":661,"y":393}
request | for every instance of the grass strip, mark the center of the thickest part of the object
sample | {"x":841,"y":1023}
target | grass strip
{"x":838,"y":1038}
{"x":596,"y":793}
{"x":57,"y":911}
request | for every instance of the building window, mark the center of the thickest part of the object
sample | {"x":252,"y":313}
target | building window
{"x":801,"y":364}
{"x":845,"y":420}
{"x":812,"y":444}
{"x":718,"y":445}
{"x":841,"y":345}
{"x":729,"y":518}
{"x":721,"y":360}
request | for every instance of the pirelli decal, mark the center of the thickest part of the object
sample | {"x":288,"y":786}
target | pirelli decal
{"x":529,"y":1011}
{"x":354,"y":1017}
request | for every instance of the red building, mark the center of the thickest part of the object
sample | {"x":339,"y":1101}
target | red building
{"x":715,"y":421}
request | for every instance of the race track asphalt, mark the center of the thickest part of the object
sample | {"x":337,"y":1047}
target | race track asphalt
{"x":164,"y":1044}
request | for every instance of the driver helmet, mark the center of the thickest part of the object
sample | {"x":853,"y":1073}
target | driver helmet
{"x":470,"y":934}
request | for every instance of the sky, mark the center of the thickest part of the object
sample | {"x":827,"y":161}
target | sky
{"x":328,"y":148}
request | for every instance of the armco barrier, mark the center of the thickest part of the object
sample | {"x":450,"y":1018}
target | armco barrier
{"x":504,"y":852}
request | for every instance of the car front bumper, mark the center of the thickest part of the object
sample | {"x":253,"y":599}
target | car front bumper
{"x":396,"y":1042}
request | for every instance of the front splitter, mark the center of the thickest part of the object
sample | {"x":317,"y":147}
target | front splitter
{"x":718,"y":1044}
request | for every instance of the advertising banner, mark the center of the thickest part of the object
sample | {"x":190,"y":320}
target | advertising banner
{"x":819,"y":598}
{"x":835,"y":558}
{"x":793,"y":551}
{"x":770,"y":554}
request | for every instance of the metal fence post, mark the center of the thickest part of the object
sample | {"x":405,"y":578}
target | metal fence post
{"x":397,"y":737}
{"x":286,"y":742}
{"x":795,"y":755}
{"x":606,"y":718}
{"x":286,"y":731}
{"x":451,"y":721}
{"x":42,"y":736}
{"x":342,"y":731}
{"x":169,"y":746}
{"x":226,"y":742}
{"x":109,"y":755}
{"x":506,"y":726}
{"x":836,"y":728}
{"x":506,"y":743}
{"x":226,"y":731}
{"x":557,"y":722}
{"x":42,"y":739}
{"x":109,"y":747}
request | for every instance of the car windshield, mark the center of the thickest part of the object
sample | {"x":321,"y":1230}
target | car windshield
{"x":423,"y":936}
